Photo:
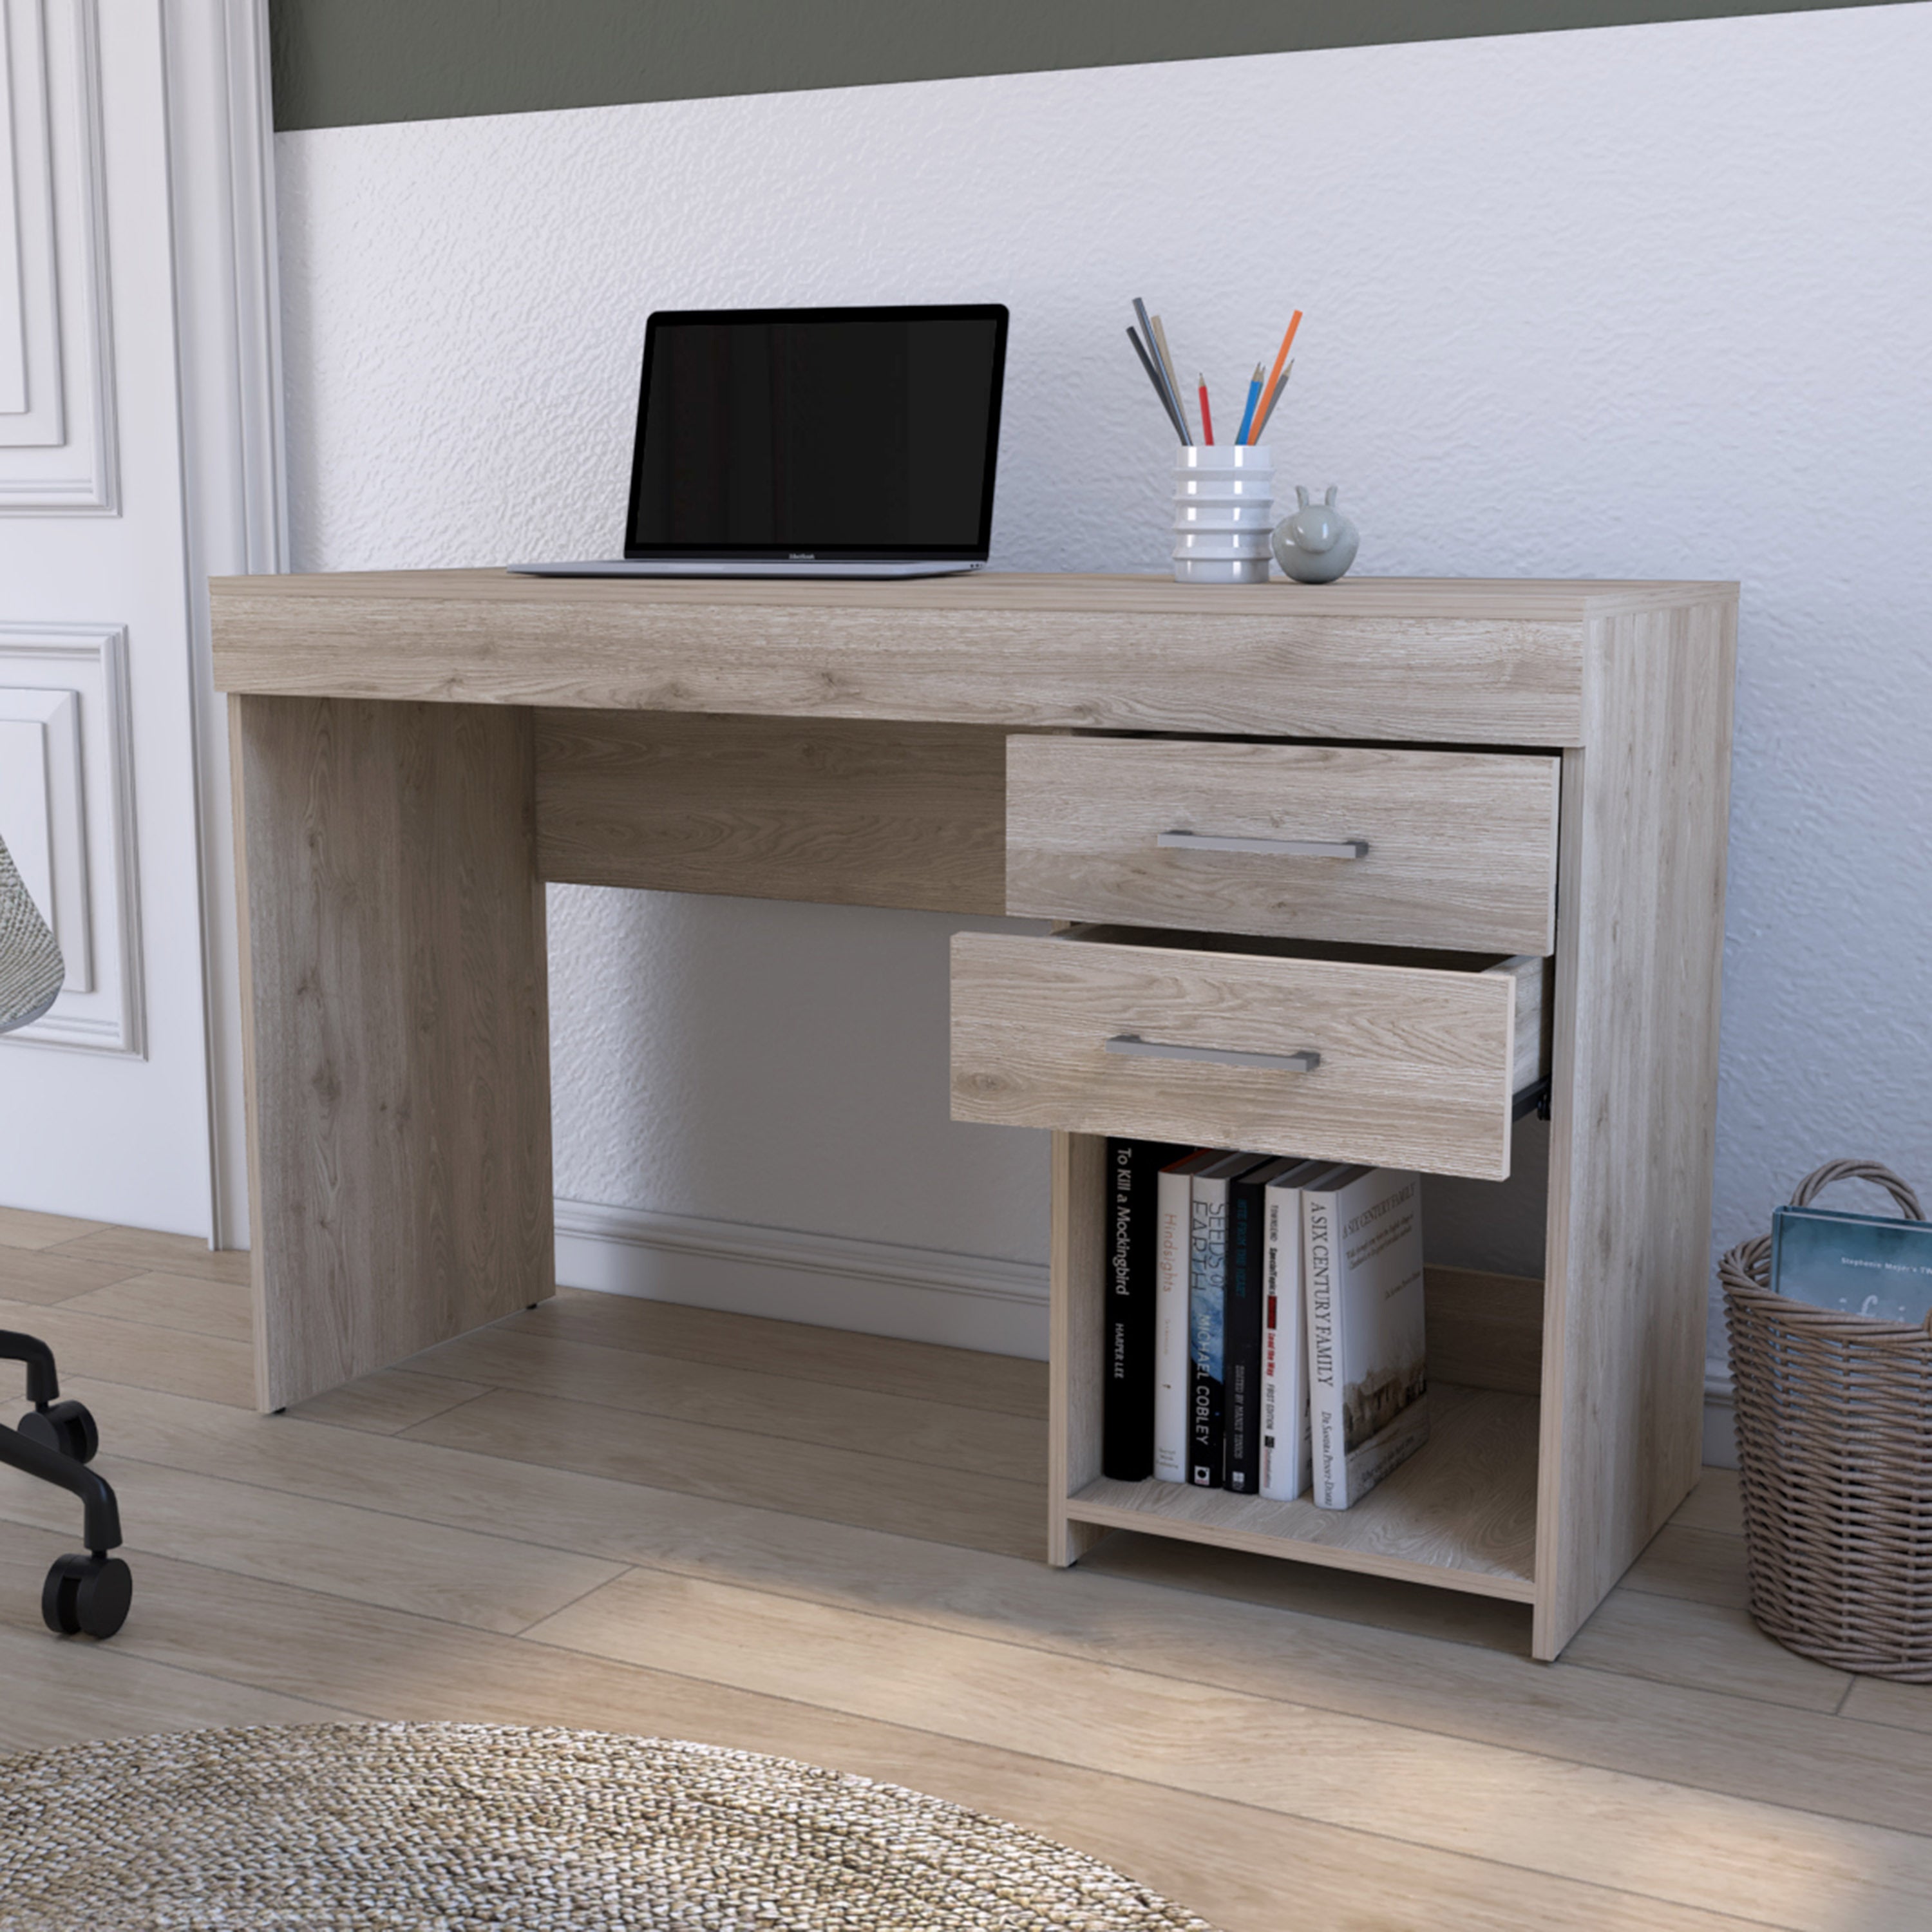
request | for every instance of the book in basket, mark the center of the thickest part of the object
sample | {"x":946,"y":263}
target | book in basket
{"x":1870,"y":1264}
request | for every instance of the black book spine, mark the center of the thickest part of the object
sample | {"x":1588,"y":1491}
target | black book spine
{"x":1207,"y":1295}
{"x":1123,"y":1454}
{"x":1246,"y":1245}
{"x":1127,"y":1407}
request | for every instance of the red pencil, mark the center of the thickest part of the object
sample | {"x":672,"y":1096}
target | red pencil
{"x":1206,"y":420}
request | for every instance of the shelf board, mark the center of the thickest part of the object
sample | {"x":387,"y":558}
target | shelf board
{"x":1460,"y":1513}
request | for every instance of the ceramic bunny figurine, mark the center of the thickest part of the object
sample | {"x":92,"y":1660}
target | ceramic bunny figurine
{"x":1317,"y":544}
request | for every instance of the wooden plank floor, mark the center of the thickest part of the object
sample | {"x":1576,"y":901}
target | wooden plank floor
{"x":623,"y":1515}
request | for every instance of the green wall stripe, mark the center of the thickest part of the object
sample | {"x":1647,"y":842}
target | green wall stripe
{"x":349,"y":63}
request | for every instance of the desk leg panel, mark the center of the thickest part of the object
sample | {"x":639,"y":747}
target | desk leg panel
{"x":397,"y":1030}
{"x":1640,"y":925}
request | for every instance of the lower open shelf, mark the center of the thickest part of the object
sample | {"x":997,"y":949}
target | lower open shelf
{"x":1460,"y":1513}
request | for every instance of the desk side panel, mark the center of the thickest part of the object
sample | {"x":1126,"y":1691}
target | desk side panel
{"x":1640,"y":925}
{"x":836,"y":810}
{"x":398,"y":1043}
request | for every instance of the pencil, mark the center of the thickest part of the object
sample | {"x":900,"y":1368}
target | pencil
{"x":1280,"y":357}
{"x":1274,"y":398}
{"x":1165,"y":357}
{"x":1206,"y":420}
{"x":1248,"y":414}
{"x":1170,"y":390}
{"x":1160,"y":387}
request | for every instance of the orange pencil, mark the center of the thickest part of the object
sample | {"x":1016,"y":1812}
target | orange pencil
{"x":1281,"y":356}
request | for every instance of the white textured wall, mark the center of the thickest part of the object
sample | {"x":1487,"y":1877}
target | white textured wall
{"x":1636,"y":301}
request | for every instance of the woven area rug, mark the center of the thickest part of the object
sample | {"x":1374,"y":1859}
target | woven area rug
{"x":410,"y":1827}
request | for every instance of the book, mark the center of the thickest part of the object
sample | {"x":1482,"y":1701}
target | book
{"x":1127,"y":1400}
{"x":1243,"y":1321}
{"x":1206,"y":1316}
{"x":1368,"y":1376}
{"x":1285,"y":1437}
{"x":1872,"y":1264}
{"x":1173,"y":1221}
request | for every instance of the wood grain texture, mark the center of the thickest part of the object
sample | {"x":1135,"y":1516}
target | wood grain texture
{"x":1416,"y":1067}
{"x":1485,"y":1330}
{"x":1395,"y":1751}
{"x":1458,"y":660}
{"x":1640,"y":925}
{"x":212,"y":1633}
{"x":1462,"y":845}
{"x":210,"y":1367}
{"x":1005,"y":1384}
{"x":23,"y":1227}
{"x":844,"y":812}
{"x":1076,"y":1268}
{"x":1519,"y":1806}
{"x":397,"y":1030}
{"x":183,"y":1301}
{"x":716,"y":1461}
{"x":1460,"y":1512}
{"x":757,"y":1391}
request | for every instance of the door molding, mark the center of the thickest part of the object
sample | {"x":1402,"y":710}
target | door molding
{"x":221,"y":151}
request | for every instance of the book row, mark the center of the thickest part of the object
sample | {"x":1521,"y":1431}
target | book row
{"x":1265,"y":1328}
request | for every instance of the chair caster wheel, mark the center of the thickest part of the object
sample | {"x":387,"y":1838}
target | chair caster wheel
{"x":87,"y":1596}
{"x":66,"y":1428}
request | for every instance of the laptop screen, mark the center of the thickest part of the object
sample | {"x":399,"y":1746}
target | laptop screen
{"x":845,"y":432}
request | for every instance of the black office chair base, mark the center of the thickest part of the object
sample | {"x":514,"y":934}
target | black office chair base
{"x":65,"y":1427}
{"x":87,"y":1596}
{"x":84,"y":1595}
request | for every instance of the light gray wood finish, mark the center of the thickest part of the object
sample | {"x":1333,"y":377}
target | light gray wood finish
{"x":1485,"y":1330}
{"x":408,"y":919}
{"x":397,"y":1030}
{"x":1076,"y":1266}
{"x":1203,"y":1718}
{"x":1640,"y":920}
{"x":1461,"y":845}
{"x":845,"y":813}
{"x":1460,"y":1513}
{"x":1418,"y":1063}
{"x":1497,"y":662}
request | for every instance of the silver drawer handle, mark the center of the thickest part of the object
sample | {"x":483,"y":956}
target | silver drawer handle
{"x":1132,"y":1047}
{"x":1275,"y":848}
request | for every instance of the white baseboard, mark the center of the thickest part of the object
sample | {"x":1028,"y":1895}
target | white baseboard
{"x":1720,"y":1435}
{"x":918,"y":1294}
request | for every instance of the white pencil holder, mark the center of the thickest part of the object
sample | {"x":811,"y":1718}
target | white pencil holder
{"x":1223,"y":513}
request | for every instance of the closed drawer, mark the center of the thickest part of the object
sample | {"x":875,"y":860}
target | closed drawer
{"x":1411,"y":1060}
{"x":1372,"y":844}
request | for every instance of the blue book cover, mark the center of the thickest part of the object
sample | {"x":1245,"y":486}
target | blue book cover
{"x":1857,"y":1263}
{"x":1206,"y":1321}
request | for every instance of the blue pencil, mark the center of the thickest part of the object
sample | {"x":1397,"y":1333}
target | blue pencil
{"x":1248,"y":414}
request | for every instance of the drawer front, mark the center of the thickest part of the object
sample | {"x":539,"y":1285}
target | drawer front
{"x":1373,"y":845}
{"x":1414,"y":1067}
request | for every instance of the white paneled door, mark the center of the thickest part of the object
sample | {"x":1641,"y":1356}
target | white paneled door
{"x":138,"y":451}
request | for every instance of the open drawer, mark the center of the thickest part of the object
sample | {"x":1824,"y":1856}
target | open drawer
{"x":1406,"y":1058}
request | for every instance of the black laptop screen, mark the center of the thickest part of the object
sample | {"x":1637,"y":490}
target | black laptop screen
{"x":847,"y":432}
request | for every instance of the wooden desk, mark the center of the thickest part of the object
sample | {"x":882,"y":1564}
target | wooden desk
{"x":1537,"y":777}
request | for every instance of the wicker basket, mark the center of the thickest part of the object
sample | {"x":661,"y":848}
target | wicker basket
{"x":1834,"y":1457}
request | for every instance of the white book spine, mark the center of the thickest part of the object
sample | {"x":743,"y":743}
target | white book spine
{"x":1285,"y":1433}
{"x":1326,"y":1422}
{"x":1173,"y":1198}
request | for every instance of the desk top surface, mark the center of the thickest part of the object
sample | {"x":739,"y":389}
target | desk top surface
{"x":1506,"y":598}
{"x":1495,"y":660}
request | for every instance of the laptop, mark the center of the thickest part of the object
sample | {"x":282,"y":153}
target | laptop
{"x":812,"y":442}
